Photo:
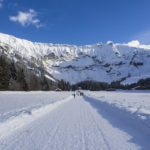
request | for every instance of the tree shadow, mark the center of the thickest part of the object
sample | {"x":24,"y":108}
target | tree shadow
{"x":124,"y":121}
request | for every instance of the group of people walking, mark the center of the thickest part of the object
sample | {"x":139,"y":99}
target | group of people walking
{"x":78,"y":93}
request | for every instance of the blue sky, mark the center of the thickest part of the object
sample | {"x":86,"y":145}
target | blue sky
{"x":77,"y":22}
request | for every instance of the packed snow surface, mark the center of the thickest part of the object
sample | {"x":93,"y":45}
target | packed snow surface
{"x":98,"y":120}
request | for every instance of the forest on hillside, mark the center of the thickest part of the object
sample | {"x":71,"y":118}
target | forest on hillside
{"x":16,"y":77}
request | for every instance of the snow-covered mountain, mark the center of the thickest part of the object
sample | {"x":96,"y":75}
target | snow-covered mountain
{"x":98,"y":62}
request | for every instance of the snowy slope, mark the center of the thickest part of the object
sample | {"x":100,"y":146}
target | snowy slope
{"x":95,"y":121}
{"x":99,"y":62}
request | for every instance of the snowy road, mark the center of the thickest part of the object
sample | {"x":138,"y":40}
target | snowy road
{"x":78,"y":124}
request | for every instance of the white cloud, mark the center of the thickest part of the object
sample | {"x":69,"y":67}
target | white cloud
{"x":27,"y":18}
{"x":1,"y":3}
{"x":135,"y":43}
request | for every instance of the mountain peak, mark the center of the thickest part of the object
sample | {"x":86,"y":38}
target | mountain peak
{"x":98,"y":62}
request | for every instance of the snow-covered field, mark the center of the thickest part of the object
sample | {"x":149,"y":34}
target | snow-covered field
{"x":21,"y":108}
{"x":13,"y":101}
{"x":133,"y":103}
{"x":117,"y":120}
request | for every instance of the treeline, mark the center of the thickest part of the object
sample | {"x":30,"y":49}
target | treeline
{"x":97,"y":86}
{"x":142,"y":84}
{"x":16,"y":77}
{"x":64,"y":86}
{"x":91,"y":85}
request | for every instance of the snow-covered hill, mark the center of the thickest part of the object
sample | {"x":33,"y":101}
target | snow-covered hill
{"x":98,"y":62}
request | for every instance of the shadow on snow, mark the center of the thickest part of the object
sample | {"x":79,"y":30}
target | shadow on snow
{"x":123,"y":120}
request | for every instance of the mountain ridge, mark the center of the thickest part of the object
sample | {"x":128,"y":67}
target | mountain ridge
{"x":98,"y":62}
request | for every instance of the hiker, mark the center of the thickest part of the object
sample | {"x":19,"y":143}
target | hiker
{"x":74,"y":94}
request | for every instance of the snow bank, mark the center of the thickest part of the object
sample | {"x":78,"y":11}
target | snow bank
{"x":11,"y":121}
{"x":11,"y":102}
{"x":130,"y":106}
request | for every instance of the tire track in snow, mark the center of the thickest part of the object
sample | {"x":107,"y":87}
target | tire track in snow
{"x":113,"y":129}
{"x":19,"y":141}
{"x":52,"y":136}
{"x":52,"y":133}
{"x":100,"y":130}
{"x":76,"y":125}
{"x":84,"y":146}
{"x":90,"y":128}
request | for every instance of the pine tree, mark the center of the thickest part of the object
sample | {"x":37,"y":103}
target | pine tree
{"x":65,"y":86}
{"x":45,"y":85}
{"x":13,"y":71}
{"x":4,"y":74}
{"x":34,"y":82}
{"x":22,"y":81}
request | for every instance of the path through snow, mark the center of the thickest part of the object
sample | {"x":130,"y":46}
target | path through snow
{"x":78,"y":124}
